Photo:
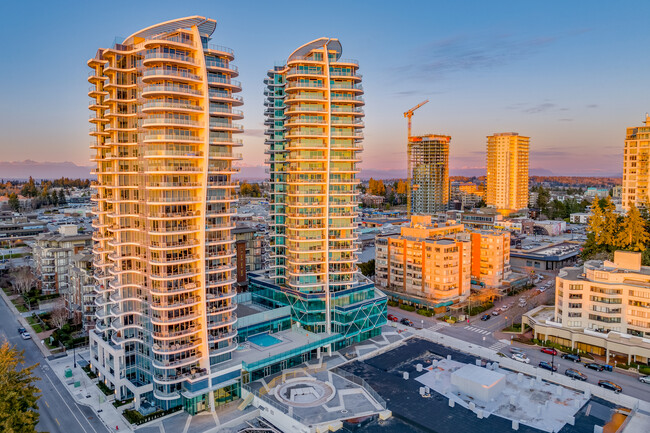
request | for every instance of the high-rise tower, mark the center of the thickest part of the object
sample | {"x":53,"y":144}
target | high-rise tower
{"x":635,"y":166}
{"x":430,"y":177}
{"x":162,"y":128}
{"x":507,"y":171}
{"x":314,"y":116}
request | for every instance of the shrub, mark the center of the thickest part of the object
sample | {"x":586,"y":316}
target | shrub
{"x":406,"y":307}
{"x":480,"y":308}
{"x":644,"y":369}
{"x":118,"y":403}
{"x":135,"y":417}
{"x":105,"y":389}
{"x":423,"y":312}
{"x":392,"y":303}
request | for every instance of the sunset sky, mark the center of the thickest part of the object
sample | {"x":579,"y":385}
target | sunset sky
{"x":572,"y":75}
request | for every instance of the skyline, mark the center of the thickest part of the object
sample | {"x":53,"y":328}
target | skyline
{"x":545,"y":76}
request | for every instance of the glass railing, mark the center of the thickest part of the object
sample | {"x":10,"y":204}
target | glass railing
{"x":171,"y":56}
{"x":170,"y":88}
{"x":166,"y":104}
{"x":220,"y":64}
{"x":170,"y":73}
{"x":221,"y":48}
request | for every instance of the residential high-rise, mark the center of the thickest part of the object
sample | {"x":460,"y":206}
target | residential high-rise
{"x":507,"y":171}
{"x":162,"y":128}
{"x":430,"y":176}
{"x":635,"y":166}
{"x":315,"y":118}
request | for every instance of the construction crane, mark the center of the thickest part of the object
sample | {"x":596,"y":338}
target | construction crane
{"x":409,"y":176}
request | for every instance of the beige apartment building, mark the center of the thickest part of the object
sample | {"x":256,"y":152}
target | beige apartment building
{"x":602,"y":308}
{"x":80,"y":299}
{"x":635,"y":190}
{"x":507,"y":171}
{"x":163,"y":126}
{"x":429,"y":163}
{"x":53,"y":254}
{"x":437,"y":263}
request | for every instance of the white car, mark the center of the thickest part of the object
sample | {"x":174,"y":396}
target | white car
{"x":644,"y":379}
{"x":521,"y":358}
{"x":26,"y":336}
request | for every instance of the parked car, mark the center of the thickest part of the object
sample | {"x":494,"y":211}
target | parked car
{"x":571,"y":357}
{"x":644,"y":379}
{"x":514,"y":349}
{"x":504,"y":308}
{"x":520,"y":357}
{"x":495,"y":313}
{"x":549,"y":350}
{"x":485,"y":317}
{"x":575,"y":374}
{"x":22,"y":330}
{"x":607,"y":384}
{"x":594,"y":366}
{"x":26,"y":336}
{"x":406,"y":322}
{"x":392,"y":318}
{"x":547,"y":366}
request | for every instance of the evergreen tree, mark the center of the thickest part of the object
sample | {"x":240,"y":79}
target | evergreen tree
{"x":62,"y":200}
{"x":596,"y":222}
{"x":610,"y":223}
{"x":633,"y":234}
{"x":14,"y":203}
{"x":18,"y":394}
{"x":54,"y":198}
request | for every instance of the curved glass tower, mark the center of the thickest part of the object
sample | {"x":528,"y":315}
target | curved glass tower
{"x":162,"y":105}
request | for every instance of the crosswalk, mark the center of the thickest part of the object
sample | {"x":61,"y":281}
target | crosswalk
{"x":478,"y":330}
{"x":498,"y":346}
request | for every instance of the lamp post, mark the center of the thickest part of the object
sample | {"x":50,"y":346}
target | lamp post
{"x":552,"y":361}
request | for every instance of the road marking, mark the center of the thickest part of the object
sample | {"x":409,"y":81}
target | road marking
{"x":46,"y":403}
{"x":57,"y":421}
{"x":70,"y":409}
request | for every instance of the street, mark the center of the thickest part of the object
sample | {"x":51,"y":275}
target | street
{"x":482,"y":333}
{"x":58,"y":410}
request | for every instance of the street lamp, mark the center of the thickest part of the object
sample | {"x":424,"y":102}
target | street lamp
{"x":552,"y":360}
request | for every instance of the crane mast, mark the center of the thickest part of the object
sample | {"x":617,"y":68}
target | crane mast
{"x":409,"y":177}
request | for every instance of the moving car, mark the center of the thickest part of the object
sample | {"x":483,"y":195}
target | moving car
{"x":495,"y":313}
{"x":594,"y":366}
{"x":546,"y":366}
{"x":521,"y":358}
{"x":485,"y":317}
{"x":392,"y":318}
{"x":549,"y":350}
{"x":22,"y":330}
{"x":26,"y":336}
{"x":406,"y":322}
{"x":610,"y":385}
{"x":571,"y":357}
{"x":514,"y":349}
{"x":644,"y":379}
{"x":575,"y":374}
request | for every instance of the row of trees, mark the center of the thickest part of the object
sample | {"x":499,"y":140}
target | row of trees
{"x":556,"y":209}
{"x":608,"y":231}
{"x":250,"y":190}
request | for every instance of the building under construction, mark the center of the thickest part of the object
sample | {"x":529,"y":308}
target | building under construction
{"x":429,"y":162}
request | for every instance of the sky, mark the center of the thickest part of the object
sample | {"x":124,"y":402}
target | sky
{"x":571,"y":75}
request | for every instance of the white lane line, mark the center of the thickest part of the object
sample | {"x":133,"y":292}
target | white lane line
{"x":70,"y":409}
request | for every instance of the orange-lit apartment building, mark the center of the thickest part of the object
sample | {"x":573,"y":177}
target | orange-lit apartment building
{"x":438,"y":263}
{"x":507,"y":172}
{"x":635,"y":166}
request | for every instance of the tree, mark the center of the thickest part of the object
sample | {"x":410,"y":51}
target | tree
{"x":59,"y":316}
{"x":18,"y":394}
{"x":543,"y":198}
{"x":633,"y":234}
{"x":481,"y":203}
{"x":29,"y":189}
{"x":14,"y":203}
{"x":62,"y":200}
{"x":24,"y":280}
{"x":376,"y":187}
{"x":367,"y":268}
{"x":54,"y":198}
{"x":610,"y":222}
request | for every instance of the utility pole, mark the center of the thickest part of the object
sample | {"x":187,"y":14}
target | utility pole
{"x":409,"y":176}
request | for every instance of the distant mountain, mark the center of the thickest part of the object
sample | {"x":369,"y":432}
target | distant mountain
{"x":469,"y":172}
{"x":253,"y":173}
{"x":21,"y":170}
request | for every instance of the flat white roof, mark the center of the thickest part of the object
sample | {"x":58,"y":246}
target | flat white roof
{"x":479,"y":375}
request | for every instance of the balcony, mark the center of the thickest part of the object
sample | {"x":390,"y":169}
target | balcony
{"x":169,"y":88}
{"x":154,"y":55}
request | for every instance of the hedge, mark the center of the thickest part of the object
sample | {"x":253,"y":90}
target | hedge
{"x":105,"y":389}
{"x":427,"y":313}
{"x":135,"y":417}
{"x":392,"y":303}
{"x":406,"y":307}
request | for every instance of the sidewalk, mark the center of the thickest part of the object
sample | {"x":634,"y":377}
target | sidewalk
{"x":88,"y":393}
{"x":23,"y":322}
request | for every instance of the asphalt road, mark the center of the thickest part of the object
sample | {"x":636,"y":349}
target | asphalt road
{"x":59,"y":413}
{"x":481,"y":333}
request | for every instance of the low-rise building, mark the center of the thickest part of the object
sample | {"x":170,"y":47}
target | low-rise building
{"x":480,"y":220}
{"x":580,"y":217}
{"x":434,"y":264}
{"x":13,"y":227}
{"x":547,"y":257}
{"x":372,"y":200}
{"x":601,"y":308}
{"x":80,"y":298}
{"x":52,"y":256}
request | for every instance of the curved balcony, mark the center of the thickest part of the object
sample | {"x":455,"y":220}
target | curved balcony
{"x":297,"y":72}
{"x":163,"y":306}
{"x":173,"y":185}
{"x":173,"y":244}
{"x":162,"y":395}
{"x":171,"y":41}
{"x":184,"y":107}
{"x":220,"y":336}
{"x":164,"y":335}
{"x":235,"y":100}
{"x":159,"y":56}
{"x":221,"y":66}
{"x":172,"y":74}
{"x":293,"y":98}
{"x":220,"y":50}
{"x":170,"y":121}
{"x":165,"y":321}
{"x":174,"y":348}
{"x":297,"y":86}
{"x":222,"y":82}
{"x":226,"y":112}
{"x":166,"y":89}
{"x":180,"y":138}
{"x":170,"y":276}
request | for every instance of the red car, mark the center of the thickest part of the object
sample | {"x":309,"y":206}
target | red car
{"x":550,"y":351}
{"x":392,"y":318}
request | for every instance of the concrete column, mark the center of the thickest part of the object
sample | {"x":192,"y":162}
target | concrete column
{"x":211,"y":398}
{"x":606,"y":356}
{"x":136,"y":401}
{"x":318,"y":353}
{"x":629,"y":358}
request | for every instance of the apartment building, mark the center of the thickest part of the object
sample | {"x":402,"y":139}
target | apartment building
{"x":507,"y":172}
{"x":465,"y":195}
{"x":14,"y":227}
{"x":251,"y":247}
{"x":429,"y":156}
{"x":80,"y":298}
{"x":53,"y":254}
{"x":314,"y":113}
{"x":437,"y":263}
{"x":635,"y":190}
{"x":602,"y":308}
{"x":163,"y":126}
